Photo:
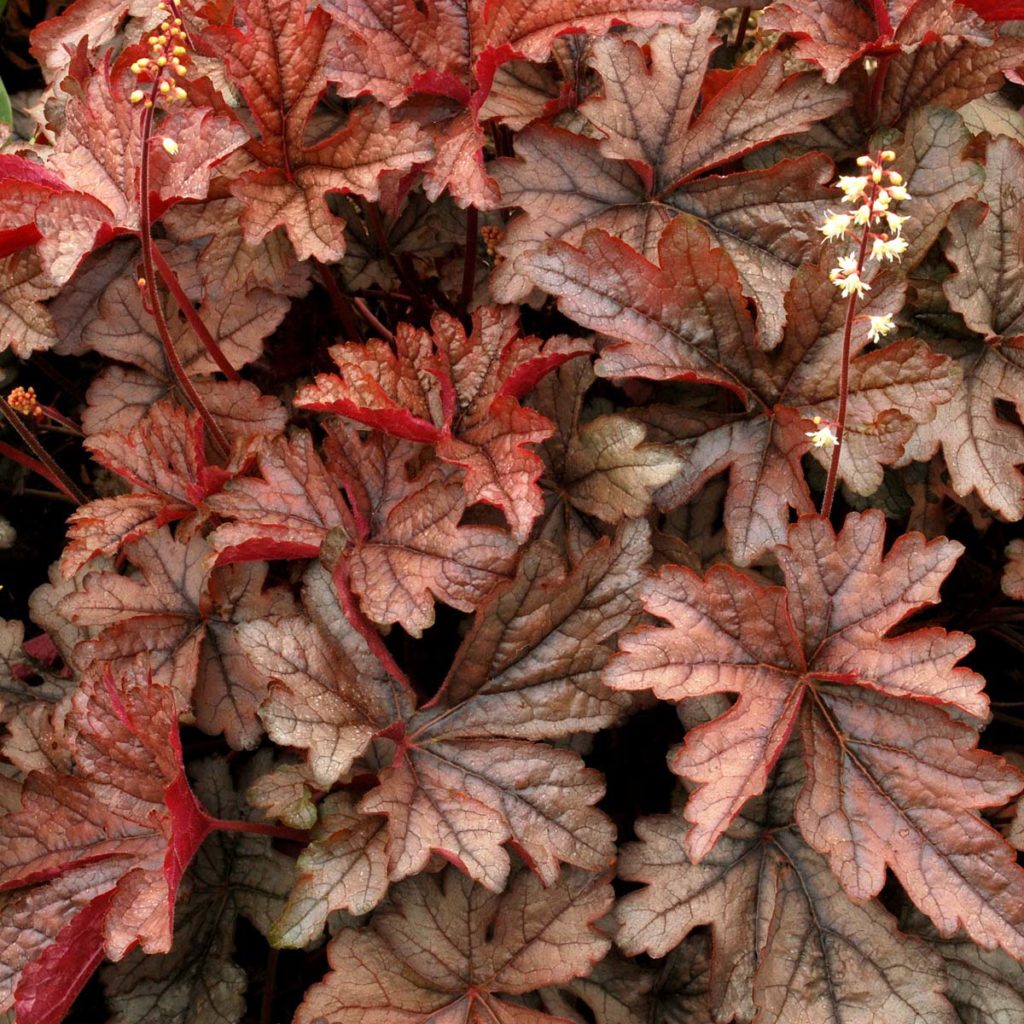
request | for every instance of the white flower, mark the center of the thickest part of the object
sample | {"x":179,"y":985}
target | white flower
{"x":170,"y":146}
{"x":895,"y":222}
{"x":823,"y":437}
{"x":888,"y":249}
{"x":852,"y":187}
{"x":880,"y":326}
{"x":898,"y":192}
{"x":836,"y":225}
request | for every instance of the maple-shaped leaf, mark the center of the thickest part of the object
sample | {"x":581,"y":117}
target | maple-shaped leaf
{"x":651,"y":156}
{"x":345,"y":867}
{"x":329,"y":693}
{"x":233,"y":875}
{"x":410,"y":548}
{"x":834,"y":34}
{"x":286,"y":512}
{"x":934,"y":157}
{"x":163,"y":457}
{"x":402,"y":544}
{"x":893,"y":774}
{"x":452,"y":51}
{"x":290,"y":178}
{"x":620,"y":991}
{"x":187,"y":620}
{"x":604,"y":467}
{"x":983,"y":448}
{"x":465,"y":777}
{"x":459,"y":393}
{"x":788,"y":944}
{"x":442,"y":948}
{"x":985,"y":985}
{"x":688,"y":320}
{"x":94,"y":859}
{"x":97,"y":19}
{"x":228,"y":265}
{"x":26,"y":325}
{"x":98,"y":154}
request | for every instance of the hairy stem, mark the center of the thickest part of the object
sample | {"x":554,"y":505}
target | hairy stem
{"x":181,"y":378}
{"x":195,"y":320}
{"x":44,"y":463}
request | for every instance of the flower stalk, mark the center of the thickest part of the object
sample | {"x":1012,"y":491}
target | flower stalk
{"x":168,"y":61}
{"x":875,"y":190}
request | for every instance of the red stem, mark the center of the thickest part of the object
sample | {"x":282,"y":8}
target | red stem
{"x":844,"y":373}
{"x":46,"y":467}
{"x":741,"y":28}
{"x":35,"y":466}
{"x":261,"y":828}
{"x":340,"y":301}
{"x":217,"y":437}
{"x":195,"y":320}
{"x":367,"y":315}
{"x":469,"y":264}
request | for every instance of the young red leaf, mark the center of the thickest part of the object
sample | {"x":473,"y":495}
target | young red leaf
{"x":465,"y":778}
{"x":96,"y":858}
{"x":460,"y":393}
{"x":893,"y":778}
{"x":637,"y":178}
{"x":234,"y":875}
{"x":982,"y":447}
{"x":689,"y":321}
{"x":163,"y":457}
{"x":98,"y":155}
{"x":289,"y":183}
{"x":442,"y":949}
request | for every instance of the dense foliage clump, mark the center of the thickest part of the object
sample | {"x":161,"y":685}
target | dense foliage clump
{"x":449,"y":413}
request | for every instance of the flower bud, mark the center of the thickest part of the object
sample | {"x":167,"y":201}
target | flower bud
{"x":170,"y":146}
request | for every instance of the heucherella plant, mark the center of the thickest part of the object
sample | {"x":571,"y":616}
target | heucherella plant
{"x":484,"y":455}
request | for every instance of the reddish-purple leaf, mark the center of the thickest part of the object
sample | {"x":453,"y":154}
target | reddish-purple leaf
{"x":465,"y":778}
{"x":982,"y":447}
{"x":290,"y":178}
{"x":893,"y":777}
{"x":95,"y":858}
{"x":460,"y":393}
{"x":442,"y":949}
{"x":688,"y":321}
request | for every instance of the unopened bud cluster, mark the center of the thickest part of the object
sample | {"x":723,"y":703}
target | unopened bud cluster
{"x":166,"y":64}
{"x":874,"y":192}
{"x":24,"y":401}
